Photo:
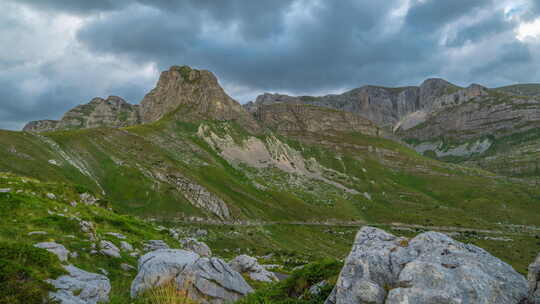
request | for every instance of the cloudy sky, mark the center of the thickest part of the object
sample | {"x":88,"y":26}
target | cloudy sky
{"x":55,"y":54}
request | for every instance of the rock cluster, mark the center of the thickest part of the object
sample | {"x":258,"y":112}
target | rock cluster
{"x":58,"y":249}
{"x":206,"y":280}
{"x":80,"y":287}
{"x":430,"y":268}
{"x":249,"y":265}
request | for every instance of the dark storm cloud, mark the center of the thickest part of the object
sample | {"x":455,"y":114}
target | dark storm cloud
{"x":297,"y":46}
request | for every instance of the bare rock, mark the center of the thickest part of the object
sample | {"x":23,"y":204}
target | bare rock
{"x":80,"y":287}
{"x":534,"y":281}
{"x":199,"y":248}
{"x":109,"y":249}
{"x":160,"y":267}
{"x":153,"y":245}
{"x":249,"y":265}
{"x":58,"y":249}
{"x":430,"y":268}
{"x":210,"y":280}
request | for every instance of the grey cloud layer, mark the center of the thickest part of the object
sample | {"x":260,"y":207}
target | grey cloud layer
{"x":297,"y":46}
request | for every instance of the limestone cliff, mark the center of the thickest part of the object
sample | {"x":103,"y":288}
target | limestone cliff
{"x":196,"y":94}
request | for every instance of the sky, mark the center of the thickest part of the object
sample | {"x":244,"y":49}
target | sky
{"x":56,"y":54}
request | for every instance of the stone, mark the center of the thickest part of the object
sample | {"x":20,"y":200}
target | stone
{"x":204,"y":280}
{"x":199,"y":248}
{"x":59,"y":250}
{"x":316,"y":289}
{"x":117,"y":235}
{"x":127,"y":267}
{"x":430,"y":268}
{"x":80,"y":287}
{"x":51,"y":196}
{"x":5,"y":190}
{"x":211,"y":280}
{"x":88,"y":198}
{"x":534,"y":281}
{"x":109,"y":249}
{"x":125,"y":246}
{"x":160,"y":267}
{"x":152,"y":245}
{"x":103,"y":271}
{"x":249,"y":265}
{"x":37,"y":233}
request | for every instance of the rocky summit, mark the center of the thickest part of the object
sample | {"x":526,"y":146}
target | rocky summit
{"x":191,"y":197}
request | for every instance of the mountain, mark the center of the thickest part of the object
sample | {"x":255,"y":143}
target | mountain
{"x":289,"y":180}
{"x":491,"y":128}
{"x":113,"y":112}
{"x":525,"y":89}
{"x":198,"y":92}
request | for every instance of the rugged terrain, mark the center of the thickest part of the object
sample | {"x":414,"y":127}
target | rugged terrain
{"x":291,"y":180}
{"x":495,"y":129}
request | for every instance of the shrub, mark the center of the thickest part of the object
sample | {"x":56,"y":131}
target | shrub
{"x":165,"y":294}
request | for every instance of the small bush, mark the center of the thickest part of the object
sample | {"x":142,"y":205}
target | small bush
{"x":165,"y":294}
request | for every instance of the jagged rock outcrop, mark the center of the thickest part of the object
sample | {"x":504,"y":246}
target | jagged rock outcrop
{"x":286,"y":117}
{"x":205,"y":280}
{"x":249,"y":265}
{"x":196,"y":92}
{"x":429,"y":268}
{"x":37,"y":126}
{"x":534,"y":281}
{"x":112,"y":112}
{"x":80,"y":287}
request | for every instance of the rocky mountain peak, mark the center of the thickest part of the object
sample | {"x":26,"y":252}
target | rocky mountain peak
{"x":434,"y":87}
{"x":112,"y":112}
{"x":182,"y":88}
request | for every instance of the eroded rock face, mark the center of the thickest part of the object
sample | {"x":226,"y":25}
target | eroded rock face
{"x":287,"y":117}
{"x":205,"y":280}
{"x":112,"y":112}
{"x":37,"y":126}
{"x":430,"y":268}
{"x":249,"y":265}
{"x":109,"y":249}
{"x":80,"y":287}
{"x":199,"y":92}
{"x":534,"y":281}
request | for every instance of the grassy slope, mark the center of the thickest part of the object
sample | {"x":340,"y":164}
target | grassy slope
{"x":404,"y":187}
{"x":27,"y":208}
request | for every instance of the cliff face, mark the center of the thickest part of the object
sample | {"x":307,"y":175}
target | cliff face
{"x":112,"y":112}
{"x":384,"y":106}
{"x":197,"y":91}
{"x":286,"y":117}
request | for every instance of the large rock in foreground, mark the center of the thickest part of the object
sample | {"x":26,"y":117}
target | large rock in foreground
{"x":534,"y":281}
{"x":80,"y":287}
{"x":205,"y":280}
{"x":430,"y":268}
